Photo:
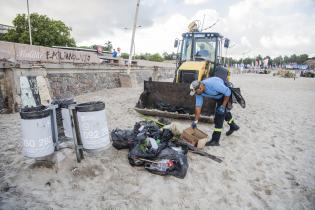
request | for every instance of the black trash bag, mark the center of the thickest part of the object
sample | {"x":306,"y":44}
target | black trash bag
{"x":123,"y":139}
{"x":164,"y":121}
{"x":169,"y":162}
{"x":166,"y":135}
{"x":167,"y":107}
{"x":143,"y":150}
{"x":148,"y":127}
{"x":237,"y":97}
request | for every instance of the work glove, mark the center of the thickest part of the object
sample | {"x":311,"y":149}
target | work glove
{"x":220,"y":110}
{"x":194,"y":124}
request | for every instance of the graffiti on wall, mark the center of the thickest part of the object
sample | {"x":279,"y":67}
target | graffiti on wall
{"x":34,"y":91}
{"x":24,"y":52}
{"x":28,"y":53}
{"x":67,"y":56}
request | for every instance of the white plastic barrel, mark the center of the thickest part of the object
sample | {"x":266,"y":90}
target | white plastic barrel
{"x":36,"y":132}
{"x":93,"y":125}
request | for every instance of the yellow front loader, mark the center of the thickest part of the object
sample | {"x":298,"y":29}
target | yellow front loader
{"x":199,"y":57}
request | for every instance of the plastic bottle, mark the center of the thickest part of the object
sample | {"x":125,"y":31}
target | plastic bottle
{"x":161,"y":165}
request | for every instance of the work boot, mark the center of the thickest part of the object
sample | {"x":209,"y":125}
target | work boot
{"x":233,"y":127}
{"x":213,"y":143}
{"x":215,"y":138}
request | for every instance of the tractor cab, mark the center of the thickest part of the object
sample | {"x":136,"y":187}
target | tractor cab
{"x":199,"y":54}
{"x":200,"y":47}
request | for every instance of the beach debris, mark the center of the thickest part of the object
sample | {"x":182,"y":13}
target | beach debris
{"x":156,"y":149}
{"x":75,"y":171}
{"x":308,"y":73}
{"x":6,"y":187}
{"x":43,"y":164}
{"x":169,"y":162}
{"x":195,"y":136}
{"x":122,"y":139}
{"x":285,"y":74}
{"x":199,"y":151}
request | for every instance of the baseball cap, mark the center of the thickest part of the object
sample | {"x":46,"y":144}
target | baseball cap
{"x":194,"y":86}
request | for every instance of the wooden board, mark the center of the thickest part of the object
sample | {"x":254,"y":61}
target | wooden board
{"x":155,"y":112}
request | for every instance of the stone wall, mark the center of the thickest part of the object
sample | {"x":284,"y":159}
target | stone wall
{"x":34,"y":75}
{"x":29,"y":84}
{"x":67,"y":81}
{"x":2,"y":93}
{"x":71,"y":84}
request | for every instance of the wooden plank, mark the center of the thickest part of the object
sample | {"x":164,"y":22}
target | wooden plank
{"x":155,"y":112}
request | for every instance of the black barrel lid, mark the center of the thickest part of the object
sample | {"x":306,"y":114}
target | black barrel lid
{"x":90,"y":106}
{"x":37,"y":112}
{"x":64,"y":103}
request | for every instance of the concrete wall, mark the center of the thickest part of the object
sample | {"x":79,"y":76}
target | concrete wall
{"x":64,"y":80}
{"x":33,"y":75}
{"x":2,"y":93}
{"x":16,"y":52}
{"x":67,"y":81}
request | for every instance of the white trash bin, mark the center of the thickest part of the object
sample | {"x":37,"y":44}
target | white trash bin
{"x":36,"y":132}
{"x":93,"y":125}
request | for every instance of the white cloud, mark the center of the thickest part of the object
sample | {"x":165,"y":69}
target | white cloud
{"x":267,"y":27}
{"x":157,"y":38}
{"x":246,"y":42}
{"x":284,"y":41}
{"x":270,"y":27}
{"x":195,"y":2}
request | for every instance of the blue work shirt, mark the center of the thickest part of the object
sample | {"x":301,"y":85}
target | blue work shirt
{"x":214,"y":88}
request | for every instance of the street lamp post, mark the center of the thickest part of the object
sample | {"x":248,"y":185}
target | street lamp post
{"x":134,"y":44}
{"x":29,"y":22}
{"x":133,"y":36}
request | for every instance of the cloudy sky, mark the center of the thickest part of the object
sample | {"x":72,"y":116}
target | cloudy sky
{"x":267,"y":27}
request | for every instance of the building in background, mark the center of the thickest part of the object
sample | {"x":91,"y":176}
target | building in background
{"x":4,"y":28}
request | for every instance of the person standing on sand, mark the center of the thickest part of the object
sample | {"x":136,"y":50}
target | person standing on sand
{"x":118,"y":52}
{"x":114,"y":53}
{"x":214,"y":88}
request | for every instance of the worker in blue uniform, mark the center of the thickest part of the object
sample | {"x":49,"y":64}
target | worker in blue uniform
{"x":215,"y":88}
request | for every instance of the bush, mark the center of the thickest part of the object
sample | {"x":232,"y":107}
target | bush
{"x":125,"y":55}
{"x":156,"y":57}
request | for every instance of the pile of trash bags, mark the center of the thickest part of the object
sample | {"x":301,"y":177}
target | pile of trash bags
{"x":152,"y":148}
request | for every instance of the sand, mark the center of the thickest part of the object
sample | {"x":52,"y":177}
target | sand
{"x":269,"y":163}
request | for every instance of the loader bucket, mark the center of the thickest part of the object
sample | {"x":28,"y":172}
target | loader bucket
{"x":172,"y":100}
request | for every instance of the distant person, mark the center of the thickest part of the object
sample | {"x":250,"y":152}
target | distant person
{"x":118,"y":52}
{"x":114,"y":53}
{"x":202,"y":52}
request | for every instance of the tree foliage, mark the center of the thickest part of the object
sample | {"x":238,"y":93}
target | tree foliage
{"x":169,"y":56}
{"x":125,"y":55}
{"x":279,"y":60}
{"x":45,"y":31}
{"x":108,"y":46}
{"x":150,"y":57}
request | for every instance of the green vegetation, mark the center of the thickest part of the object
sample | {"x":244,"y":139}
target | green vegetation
{"x":152,"y":57}
{"x":45,"y":31}
{"x":299,"y":59}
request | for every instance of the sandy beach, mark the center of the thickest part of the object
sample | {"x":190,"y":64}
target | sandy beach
{"x":268,"y":164}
